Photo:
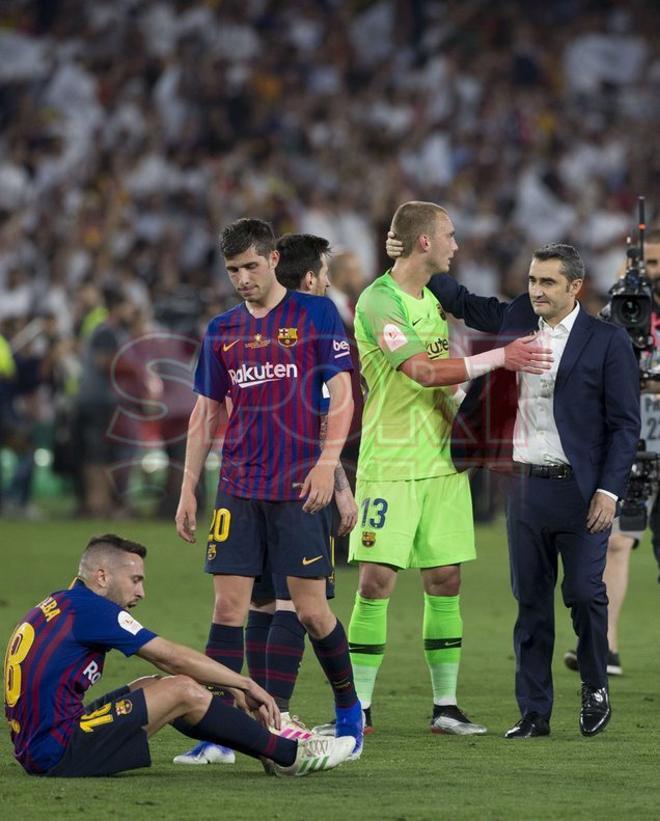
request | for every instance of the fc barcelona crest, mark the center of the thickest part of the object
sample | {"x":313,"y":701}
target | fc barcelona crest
{"x":287,"y":337}
{"x":123,"y":707}
{"x":368,"y":538}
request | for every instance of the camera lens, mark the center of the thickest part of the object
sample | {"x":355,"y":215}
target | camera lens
{"x":631,"y":311}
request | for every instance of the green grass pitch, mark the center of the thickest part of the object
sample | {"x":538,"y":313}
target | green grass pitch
{"x":405,"y":771}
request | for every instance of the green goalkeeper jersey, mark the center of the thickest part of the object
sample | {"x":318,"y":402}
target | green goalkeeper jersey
{"x":406,"y":428}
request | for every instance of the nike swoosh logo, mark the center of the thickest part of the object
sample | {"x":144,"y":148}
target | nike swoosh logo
{"x":417,"y":321}
{"x":453,"y":643}
{"x":231,"y":345}
{"x":307,"y":561}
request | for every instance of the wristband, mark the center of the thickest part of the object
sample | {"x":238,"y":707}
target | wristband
{"x":482,"y":363}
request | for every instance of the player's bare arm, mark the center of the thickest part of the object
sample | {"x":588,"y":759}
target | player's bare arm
{"x":177,"y":659}
{"x":344,"y":499}
{"x":319,"y":483}
{"x":204,"y":422}
{"x":524,"y":354}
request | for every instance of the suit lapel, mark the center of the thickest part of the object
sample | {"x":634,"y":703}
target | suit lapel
{"x":577,"y":339}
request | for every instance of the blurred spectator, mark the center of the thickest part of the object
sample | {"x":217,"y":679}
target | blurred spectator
{"x":25,"y":355}
{"x":107,"y":442}
{"x":347,"y":279}
{"x":7,"y":380}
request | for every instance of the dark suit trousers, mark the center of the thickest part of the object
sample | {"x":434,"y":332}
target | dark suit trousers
{"x":546,"y":518}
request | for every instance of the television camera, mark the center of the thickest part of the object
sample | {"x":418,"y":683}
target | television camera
{"x":631,"y":307}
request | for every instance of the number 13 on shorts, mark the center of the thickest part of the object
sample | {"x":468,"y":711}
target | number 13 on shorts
{"x":373,"y":513}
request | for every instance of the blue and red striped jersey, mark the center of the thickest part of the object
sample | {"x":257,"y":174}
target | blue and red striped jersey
{"x":54,"y":656}
{"x":273,"y":369}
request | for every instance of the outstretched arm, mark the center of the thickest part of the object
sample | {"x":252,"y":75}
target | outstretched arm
{"x":177,"y":659}
{"x":478,"y":312}
{"x":524,"y":354}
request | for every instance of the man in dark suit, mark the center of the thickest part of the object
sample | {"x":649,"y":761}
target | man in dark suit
{"x":568,"y":440}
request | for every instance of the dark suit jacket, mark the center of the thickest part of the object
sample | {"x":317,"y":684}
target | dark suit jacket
{"x":596,"y":399}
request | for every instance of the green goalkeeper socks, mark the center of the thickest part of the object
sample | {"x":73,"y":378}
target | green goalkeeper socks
{"x":443,"y":637}
{"x":367,"y":635}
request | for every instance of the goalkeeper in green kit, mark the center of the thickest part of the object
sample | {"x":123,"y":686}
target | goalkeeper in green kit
{"x":415,"y":510}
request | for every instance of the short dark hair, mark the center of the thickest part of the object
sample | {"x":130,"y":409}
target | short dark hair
{"x":118,"y":543}
{"x":299,"y":253}
{"x":238,"y":236}
{"x":414,"y":218}
{"x":572,"y":266}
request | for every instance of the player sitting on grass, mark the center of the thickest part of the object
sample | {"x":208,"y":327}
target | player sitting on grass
{"x":57,"y":653}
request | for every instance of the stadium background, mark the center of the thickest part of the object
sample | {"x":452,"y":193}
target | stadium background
{"x":130,"y":131}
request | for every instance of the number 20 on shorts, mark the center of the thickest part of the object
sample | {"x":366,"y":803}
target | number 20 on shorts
{"x":220,"y":524}
{"x":378,"y":510}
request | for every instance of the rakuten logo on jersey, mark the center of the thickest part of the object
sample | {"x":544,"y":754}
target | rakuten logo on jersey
{"x":248,"y":375}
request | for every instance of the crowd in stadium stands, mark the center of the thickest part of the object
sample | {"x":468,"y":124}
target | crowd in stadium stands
{"x":131,"y":131}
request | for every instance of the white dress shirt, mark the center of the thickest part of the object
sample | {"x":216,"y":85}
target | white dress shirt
{"x":535,"y":436}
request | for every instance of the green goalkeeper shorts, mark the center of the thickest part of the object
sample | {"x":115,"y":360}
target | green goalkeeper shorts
{"x":416,"y":523}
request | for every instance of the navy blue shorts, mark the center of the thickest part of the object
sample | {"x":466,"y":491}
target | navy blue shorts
{"x":269,"y":585}
{"x":109,"y":738}
{"x":246,"y":533}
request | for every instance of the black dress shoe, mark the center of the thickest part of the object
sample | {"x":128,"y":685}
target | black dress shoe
{"x":529,"y":726}
{"x":596,"y":710}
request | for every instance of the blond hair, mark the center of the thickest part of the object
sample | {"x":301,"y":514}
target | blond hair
{"x":413,"y":219}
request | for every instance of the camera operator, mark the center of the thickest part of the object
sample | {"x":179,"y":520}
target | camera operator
{"x":622,"y":542}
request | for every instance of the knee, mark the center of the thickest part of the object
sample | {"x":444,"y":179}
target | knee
{"x":316,"y":620}
{"x":186,"y":691}
{"x":619,"y":545}
{"x":446,"y":587}
{"x":584,"y":594}
{"x":374,"y":588}
{"x":447,"y":583}
{"x":229,"y":610}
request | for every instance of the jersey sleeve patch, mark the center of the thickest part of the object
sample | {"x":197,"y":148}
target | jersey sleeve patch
{"x":128,"y":623}
{"x":340,"y":347}
{"x":101,"y":623}
{"x":385,"y":320}
{"x":393,"y":336}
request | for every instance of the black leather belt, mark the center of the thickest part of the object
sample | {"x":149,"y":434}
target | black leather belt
{"x":544,"y":471}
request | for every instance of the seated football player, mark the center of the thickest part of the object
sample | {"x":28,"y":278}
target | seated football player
{"x":57,"y":652}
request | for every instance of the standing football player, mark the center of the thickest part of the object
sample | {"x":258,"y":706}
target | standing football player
{"x":271,"y":355}
{"x":274,"y":636}
{"x":415,"y":510}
